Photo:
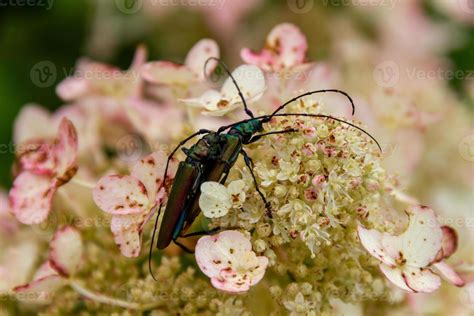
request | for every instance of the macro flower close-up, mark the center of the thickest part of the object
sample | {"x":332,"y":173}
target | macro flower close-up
{"x":248,"y":157}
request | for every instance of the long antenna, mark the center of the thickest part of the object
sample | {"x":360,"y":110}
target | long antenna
{"x":281,"y":107}
{"x":220,"y":62}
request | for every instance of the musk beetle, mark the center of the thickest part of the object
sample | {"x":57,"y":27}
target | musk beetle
{"x":212,"y":157}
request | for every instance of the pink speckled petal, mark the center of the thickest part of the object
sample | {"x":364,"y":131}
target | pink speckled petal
{"x":121,"y":195}
{"x":65,"y":251}
{"x":66,"y":151}
{"x":127,"y":230}
{"x":219,"y":252}
{"x":31,"y":197}
{"x":421,"y":280}
{"x":150,"y":171}
{"x":38,"y":158}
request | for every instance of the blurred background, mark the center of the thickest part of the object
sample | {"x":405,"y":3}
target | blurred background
{"x":41,"y":40}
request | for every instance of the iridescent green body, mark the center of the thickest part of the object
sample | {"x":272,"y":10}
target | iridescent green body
{"x":210,"y":159}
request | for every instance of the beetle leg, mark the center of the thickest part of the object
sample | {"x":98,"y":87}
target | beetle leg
{"x":202,"y":233}
{"x":250,"y":165}
{"x":257,"y":137}
{"x":186,"y":249}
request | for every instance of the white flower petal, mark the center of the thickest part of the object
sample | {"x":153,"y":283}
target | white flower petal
{"x":214,"y":201}
{"x":65,"y":251}
{"x":251,"y":82}
{"x":372,"y":241}
{"x":420,"y":243}
{"x":395,"y":275}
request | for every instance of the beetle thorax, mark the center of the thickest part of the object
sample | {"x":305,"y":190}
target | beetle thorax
{"x":246,"y":130}
{"x":207,"y":147}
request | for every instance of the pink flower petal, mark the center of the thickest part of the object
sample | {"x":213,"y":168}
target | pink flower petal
{"x":40,"y":290}
{"x":72,"y":88}
{"x":38,"y":158}
{"x":127,"y":230}
{"x":215,"y":253}
{"x":199,"y":54}
{"x":45,"y":270}
{"x":421,"y":280}
{"x":66,"y":151}
{"x":121,"y":195}
{"x":168,"y":73}
{"x":148,"y":118}
{"x":449,"y":274}
{"x":285,"y":47}
{"x":31,"y":197}
{"x":150,"y":171}
{"x":65,"y":250}
{"x":372,"y":241}
{"x":450,"y":241}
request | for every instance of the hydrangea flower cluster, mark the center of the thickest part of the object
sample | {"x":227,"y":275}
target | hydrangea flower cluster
{"x":334,"y":234}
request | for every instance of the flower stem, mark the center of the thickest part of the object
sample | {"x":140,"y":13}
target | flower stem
{"x":83,"y":183}
{"x":100,"y":298}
